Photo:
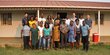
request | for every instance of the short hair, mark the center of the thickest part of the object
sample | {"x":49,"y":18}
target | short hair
{"x":46,"y":23}
{"x":76,"y":20}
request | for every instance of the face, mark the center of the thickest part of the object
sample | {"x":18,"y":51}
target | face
{"x":71,"y":23}
{"x":41,"y":23}
{"x":84,"y":23}
{"x":74,"y":14}
{"x":58,"y":16}
{"x":46,"y":25}
{"x":42,"y":15}
{"x":81,"y":16}
{"x":32,"y":18}
{"x":88,"y":16}
{"x":26,"y":15}
{"x":77,"y":22}
{"x":36,"y":18}
{"x":34,"y":25}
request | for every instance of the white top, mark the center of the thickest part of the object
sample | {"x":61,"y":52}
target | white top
{"x":41,"y":31}
{"x":73,"y":19}
{"x":67,"y":21}
{"x":51,"y":26}
{"x":42,"y":19}
{"x":26,"y":30}
{"x":81,"y":21}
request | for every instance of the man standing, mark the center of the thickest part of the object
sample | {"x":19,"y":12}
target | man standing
{"x":85,"y":37}
{"x":88,"y":21}
{"x":25,"y":19}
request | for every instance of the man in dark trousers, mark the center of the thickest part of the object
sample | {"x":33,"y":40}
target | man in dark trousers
{"x":85,"y":35}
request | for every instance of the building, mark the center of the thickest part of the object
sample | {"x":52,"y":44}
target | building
{"x":12,"y":12}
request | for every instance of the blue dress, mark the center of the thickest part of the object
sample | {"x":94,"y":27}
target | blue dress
{"x":71,"y":37}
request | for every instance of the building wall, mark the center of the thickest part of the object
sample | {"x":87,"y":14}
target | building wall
{"x":14,"y":29}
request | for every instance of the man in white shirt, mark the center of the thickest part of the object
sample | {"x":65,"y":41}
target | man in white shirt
{"x":42,"y":19}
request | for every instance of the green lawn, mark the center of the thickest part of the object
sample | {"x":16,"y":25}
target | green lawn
{"x":94,"y":50}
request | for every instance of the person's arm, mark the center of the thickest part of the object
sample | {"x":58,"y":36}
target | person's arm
{"x":30,"y":35}
{"x":74,"y":31}
{"x":38,"y":34}
{"x":21,"y":33}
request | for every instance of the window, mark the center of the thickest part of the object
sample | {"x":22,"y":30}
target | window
{"x":6,"y":19}
{"x":101,"y":19}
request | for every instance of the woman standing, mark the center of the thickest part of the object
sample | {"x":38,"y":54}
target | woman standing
{"x":46,"y":37}
{"x":31,"y":21}
{"x":56,"y":34}
{"x":72,"y":34}
{"x":78,"y":33}
{"x":34,"y":33}
{"x":26,"y":35}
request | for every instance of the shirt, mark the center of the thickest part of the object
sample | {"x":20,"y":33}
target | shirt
{"x":31,"y":22}
{"x":42,"y":19}
{"x":51,"y":26}
{"x":26,"y":30}
{"x":67,"y":22}
{"x":88,"y":22}
{"x":24,"y":21}
{"x":46,"y":31}
{"x":41,"y":31}
{"x":85,"y":30}
{"x":81,"y":21}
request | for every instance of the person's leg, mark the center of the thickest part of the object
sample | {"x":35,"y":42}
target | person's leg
{"x":39,"y":43}
{"x":87,"y":43}
{"x":24,"y":41}
{"x":44,"y":43}
{"x":57,"y":44}
{"x":65,"y":40}
{"x":48,"y":43}
{"x":83,"y":41}
{"x":61,"y":40}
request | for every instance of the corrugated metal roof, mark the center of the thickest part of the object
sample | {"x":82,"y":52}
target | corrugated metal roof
{"x":51,"y":3}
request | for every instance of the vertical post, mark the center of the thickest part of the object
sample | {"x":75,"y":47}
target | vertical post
{"x":38,"y":13}
{"x":99,"y":23}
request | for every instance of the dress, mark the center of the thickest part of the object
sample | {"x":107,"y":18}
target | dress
{"x":56,"y":33}
{"x":34,"y":36}
{"x":71,"y":37}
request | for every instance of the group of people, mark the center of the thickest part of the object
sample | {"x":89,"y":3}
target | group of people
{"x":55,"y":32}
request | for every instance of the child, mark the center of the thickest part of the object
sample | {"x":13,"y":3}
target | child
{"x":56,"y":34}
{"x":64,"y":33}
{"x":41,"y":34}
{"x":46,"y":36}
{"x":78,"y":32}
{"x":85,"y":36}
{"x":72,"y":34}
{"x":34,"y":33}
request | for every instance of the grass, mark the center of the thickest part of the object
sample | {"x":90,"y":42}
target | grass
{"x":99,"y":49}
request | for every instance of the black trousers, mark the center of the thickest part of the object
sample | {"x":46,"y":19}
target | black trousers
{"x":56,"y":44}
{"x":26,"y":42}
{"x":85,"y":41}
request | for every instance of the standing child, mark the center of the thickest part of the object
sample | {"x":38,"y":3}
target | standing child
{"x":72,"y":34}
{"x":41,"y":34}
{"x":78,"y":33}
{"x":85,"y":36}
{"x":46,"y":37}
{"x":56,"y":34}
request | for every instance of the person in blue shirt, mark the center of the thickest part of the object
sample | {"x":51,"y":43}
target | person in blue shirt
{"x":85,"y":35}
